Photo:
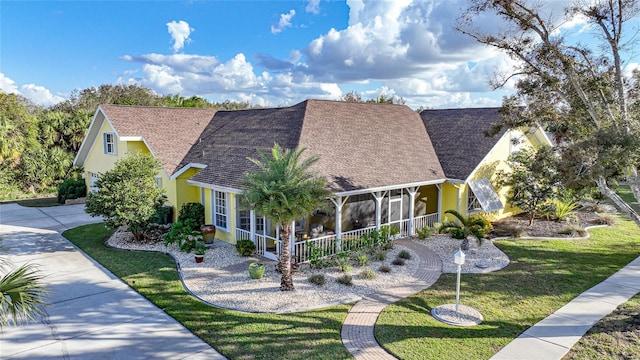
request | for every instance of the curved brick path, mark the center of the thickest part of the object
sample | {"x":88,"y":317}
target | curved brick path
{"x":358,"y":327}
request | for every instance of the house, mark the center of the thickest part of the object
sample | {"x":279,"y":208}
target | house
{"x":386,"y":164}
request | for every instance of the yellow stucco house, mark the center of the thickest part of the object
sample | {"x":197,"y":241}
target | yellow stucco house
{"x":386,"y":164}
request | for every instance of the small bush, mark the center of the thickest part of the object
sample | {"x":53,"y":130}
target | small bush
{"x":345,"y":280}
{"x":362,"y":260}
{"x":560,"y":210}
{"x":367,"y":274}
{"x":398,"y":261}
{"x":605,"y":219}
{"x":182,"y":235}
{"x":573,"y":231}
{"x":343,"y":264}
{"x":510,"y":230}
{"x":380,"y":255}
{"x":192,"y":214}
{"x":245,"y":247}
{"x":317,"y":279}
{"x":425,"y":232}
{"x":71,"y":189}
{"x":384,"y":269}
{"x":404,"y":254}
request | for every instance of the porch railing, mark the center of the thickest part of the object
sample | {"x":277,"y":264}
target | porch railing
{"x":425,"y":220}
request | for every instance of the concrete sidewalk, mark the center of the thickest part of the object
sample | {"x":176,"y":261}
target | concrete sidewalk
{"x":91,"y":314}
{"x":553,"y":337}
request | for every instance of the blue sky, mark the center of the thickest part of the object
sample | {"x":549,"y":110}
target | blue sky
{"x":267,"y":52}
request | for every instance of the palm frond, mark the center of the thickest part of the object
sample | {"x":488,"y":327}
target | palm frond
{"x":21,"y":295}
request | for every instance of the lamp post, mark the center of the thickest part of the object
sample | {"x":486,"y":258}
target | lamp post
{"x":458,"y":258}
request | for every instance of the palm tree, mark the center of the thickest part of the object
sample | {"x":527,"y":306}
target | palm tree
{"x":21,"y":293}
{"x":284,"y":189}
{"x":466,"y":226}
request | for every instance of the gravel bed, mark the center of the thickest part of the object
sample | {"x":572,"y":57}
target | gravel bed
{"x":234,"y":289}
{"x":479,"y":259}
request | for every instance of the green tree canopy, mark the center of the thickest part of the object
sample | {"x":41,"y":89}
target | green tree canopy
{"x":284,"y":189}
{"x":127,"y":195}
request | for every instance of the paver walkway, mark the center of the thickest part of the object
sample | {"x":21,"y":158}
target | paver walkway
{"x":90,"y":313}
{"x":358,"y":328}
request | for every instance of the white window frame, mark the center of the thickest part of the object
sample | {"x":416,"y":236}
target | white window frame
{"x":109,"y":144}
{"x":473,"y":205}
{"x":93,"y":178}
{"x":220,"y":213}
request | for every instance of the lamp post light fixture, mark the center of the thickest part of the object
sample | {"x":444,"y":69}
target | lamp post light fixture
{"x":458,"y":259}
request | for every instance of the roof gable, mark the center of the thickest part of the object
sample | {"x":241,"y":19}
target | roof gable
{"x":168,"y":132}
{"x":458,"y":137}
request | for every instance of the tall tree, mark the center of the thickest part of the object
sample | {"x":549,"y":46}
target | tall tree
{"x":578,"y":91}
{"x":284,"y":189}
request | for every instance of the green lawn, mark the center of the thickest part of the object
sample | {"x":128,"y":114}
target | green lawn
{"x":542,"y":277}
{"x":40,"y":202}
{"x":625,"y":193}
{"x":308,"y":335}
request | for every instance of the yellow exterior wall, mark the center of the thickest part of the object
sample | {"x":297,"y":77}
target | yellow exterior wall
{"x":228,"y":235}
{"x":450,"y":199}
{"x":99,"y":162}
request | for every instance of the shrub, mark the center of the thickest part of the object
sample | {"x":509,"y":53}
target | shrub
{"x":344,"y":264}
{"x":573,"y":231}
{"x":345,"y":280}
{"x":316,"y":256}
{"x":245,"y":247}
{"x":71,"y":189}
{"x":317,"y":279}
{"x":182,"y":235}
{"x":398,"y":261}
{"x":384,"y":269}
{"x":362,"y":260}
{"x":560,"y":210}
{"x":425,"y":232}
{"x":380,"y":255}
{"x":192,"y":214}
{"x":404,"y":254}
{"x":367,"y":274}
{"x":605,"y":219}
{"x":507,"y":229}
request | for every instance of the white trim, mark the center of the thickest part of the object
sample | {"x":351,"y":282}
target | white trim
{"x":113,"y":142}
{"x":84,"y":141}
{"x":133,"y":138}
{"x":214,"y":187}
{"x":227,"y":208}
{"x":185,"y":168}
{"x":390,"y":187}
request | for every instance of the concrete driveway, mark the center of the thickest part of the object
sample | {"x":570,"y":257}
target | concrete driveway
{"x":91,"y":314}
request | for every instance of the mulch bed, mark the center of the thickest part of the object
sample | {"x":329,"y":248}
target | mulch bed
{"x":543,"y":227}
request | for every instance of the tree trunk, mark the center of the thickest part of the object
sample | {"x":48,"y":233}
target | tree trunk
{"x":617,"y":200}
{"x":634,"y":183}
{"x":284,"y":260}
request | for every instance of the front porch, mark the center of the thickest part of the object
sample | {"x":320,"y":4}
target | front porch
{"x":406,"y":209}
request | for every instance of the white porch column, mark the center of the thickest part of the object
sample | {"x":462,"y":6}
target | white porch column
{"x":292,"y":237}
{"x":412,"y":199}
{"x":378,"y":195}
{"x":439,"y":186}
{"x":252,"y":226}
{"x":338,"y":202}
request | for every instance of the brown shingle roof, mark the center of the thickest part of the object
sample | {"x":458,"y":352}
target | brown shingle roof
{"x":365,"y":145}
{"x":458,"y":137}
{"x":360,"y":145}
{"x":169,"y":132}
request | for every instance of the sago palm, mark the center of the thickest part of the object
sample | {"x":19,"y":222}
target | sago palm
{"x":284,"y":189}
{"x":21,"y":293}
{"x":466,"y":226}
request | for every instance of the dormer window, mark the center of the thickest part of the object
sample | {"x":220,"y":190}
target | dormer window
{"x":110,"y":143}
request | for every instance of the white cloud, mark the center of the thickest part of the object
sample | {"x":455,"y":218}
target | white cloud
{"x":313,"y":7}
{"x":7,"y":85}
{"x":285,"y":22}
{"x":36,"y":93}
{"x":180,"y":32}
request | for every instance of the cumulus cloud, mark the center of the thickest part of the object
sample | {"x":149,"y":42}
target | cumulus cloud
{"x":285,"y":22}
{"x":180,"y":32}
{"x":38,"y":94}
{"x":313,"y":7}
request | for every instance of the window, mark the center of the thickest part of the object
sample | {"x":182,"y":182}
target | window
{"x":244,"y":221}
{"x":110,"y":143}
{"x":158,"y":182}
{"x":92,"y":182}
{"x":473,"y":205}
{"x":220,"y":209}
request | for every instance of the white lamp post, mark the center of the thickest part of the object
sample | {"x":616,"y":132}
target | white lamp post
{"x":459,"y":260}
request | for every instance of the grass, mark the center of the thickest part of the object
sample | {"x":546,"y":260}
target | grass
{"x":40,"y":202}
{"x":616,"y":336}
{"x":542,"y":277}
{"x":307,"y":335}
{"x":627,"y":195}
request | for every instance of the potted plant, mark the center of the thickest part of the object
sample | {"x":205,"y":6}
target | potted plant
{"x":200,"y":250}
{"x":208,"y":233}
{"x":256,"y":270}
